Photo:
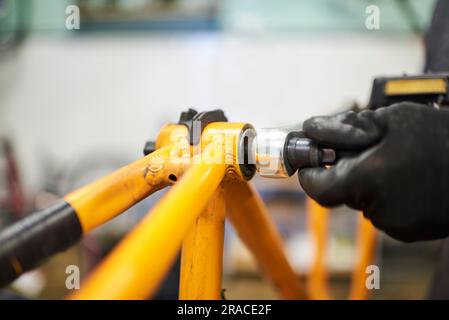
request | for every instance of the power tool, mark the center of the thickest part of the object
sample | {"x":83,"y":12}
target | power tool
{"x":281,"y":152}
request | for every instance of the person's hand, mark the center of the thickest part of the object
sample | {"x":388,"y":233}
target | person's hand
{"x":398,"y":174}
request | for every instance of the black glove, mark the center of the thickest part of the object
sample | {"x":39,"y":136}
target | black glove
{"x":398,"y":173}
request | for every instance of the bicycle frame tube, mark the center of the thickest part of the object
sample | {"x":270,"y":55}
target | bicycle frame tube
{"x":317,"y":220}
{"x":126,"y":272}
{"x":366,"y":242}
{"x":366,"y":249}
{"x":105,"y":198}
{"x":255,"y":228}
{"x":202,"y":253}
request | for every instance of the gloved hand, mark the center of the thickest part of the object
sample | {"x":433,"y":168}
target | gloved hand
{"x":399,"y":174}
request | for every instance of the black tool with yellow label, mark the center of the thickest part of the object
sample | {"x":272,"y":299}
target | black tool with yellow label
{"x":430,"y":89}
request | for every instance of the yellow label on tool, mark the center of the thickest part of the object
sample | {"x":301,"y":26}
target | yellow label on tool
{"x":415,"y":86}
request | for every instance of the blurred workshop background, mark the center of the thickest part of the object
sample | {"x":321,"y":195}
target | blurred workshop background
{"x":76,"y":104}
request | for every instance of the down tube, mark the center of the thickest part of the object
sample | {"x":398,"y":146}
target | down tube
{"x":135,"y":269}
{"x":255,"y":228}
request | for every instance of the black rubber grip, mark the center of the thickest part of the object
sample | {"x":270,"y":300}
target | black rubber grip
{"x":28,"y":242}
